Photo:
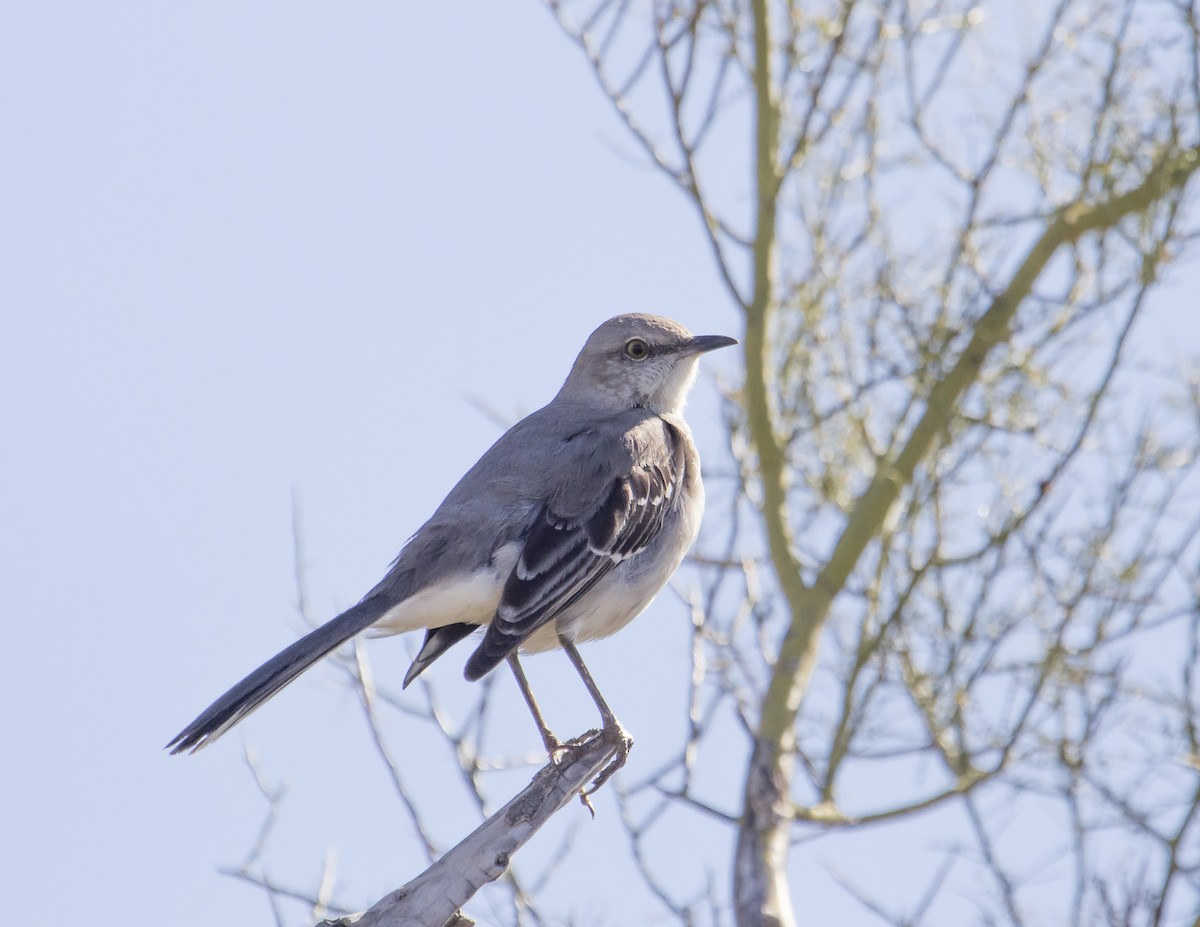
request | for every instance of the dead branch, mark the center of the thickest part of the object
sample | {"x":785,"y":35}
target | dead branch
{"x":436,"y":896}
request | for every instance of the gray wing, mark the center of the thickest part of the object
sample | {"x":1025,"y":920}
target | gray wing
{"x":569,"y":547}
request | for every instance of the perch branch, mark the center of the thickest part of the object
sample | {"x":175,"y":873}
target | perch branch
{"x":435,"y":897}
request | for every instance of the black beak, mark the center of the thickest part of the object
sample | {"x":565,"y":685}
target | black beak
{"x":699,"y":344}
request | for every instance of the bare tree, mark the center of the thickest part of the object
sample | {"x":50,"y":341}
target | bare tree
{"x":952,"y":569}
{"x":953,"y":540}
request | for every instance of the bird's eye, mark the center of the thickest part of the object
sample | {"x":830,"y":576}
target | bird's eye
{"x":637,"y":349}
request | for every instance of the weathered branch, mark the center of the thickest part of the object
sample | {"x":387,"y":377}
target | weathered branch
{"x":435,"y":897}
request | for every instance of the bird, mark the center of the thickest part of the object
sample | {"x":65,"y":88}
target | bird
{"x":561,"y":533}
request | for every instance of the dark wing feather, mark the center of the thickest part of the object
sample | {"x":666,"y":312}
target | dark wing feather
{"x":563,"y":558}
{"x":437,"y":642}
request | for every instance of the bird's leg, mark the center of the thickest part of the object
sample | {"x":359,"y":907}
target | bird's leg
{"x":553,"y":745}
{"x":612,"y":727}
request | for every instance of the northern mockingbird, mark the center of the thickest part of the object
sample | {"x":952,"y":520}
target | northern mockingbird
{"x":562,"y":532}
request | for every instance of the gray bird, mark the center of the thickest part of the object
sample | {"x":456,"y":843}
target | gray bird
{"x":561,"y":533}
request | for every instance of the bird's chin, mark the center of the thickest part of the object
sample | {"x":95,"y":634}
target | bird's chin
{"x":672,"y":397}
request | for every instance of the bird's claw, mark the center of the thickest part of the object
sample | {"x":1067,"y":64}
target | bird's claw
{"x":624,"y":746}
{"x":559,"y":750}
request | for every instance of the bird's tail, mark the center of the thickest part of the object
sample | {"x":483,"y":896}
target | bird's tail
{"x":276,"y":673}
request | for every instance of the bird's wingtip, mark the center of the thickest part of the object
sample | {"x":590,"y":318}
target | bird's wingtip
{"x":480,"y":663}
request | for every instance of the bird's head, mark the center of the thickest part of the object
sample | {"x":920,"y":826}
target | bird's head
{"x":638,"y":360}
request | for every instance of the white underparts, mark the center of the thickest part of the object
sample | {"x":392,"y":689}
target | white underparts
{"x":469,"y":597}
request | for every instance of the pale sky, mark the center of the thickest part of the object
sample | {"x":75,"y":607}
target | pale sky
{"x":256,"y":249}
{"x":250,"y":250}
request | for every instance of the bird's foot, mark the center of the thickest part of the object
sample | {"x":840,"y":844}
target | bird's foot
{"x":559,"y":750}
{"x":613,"y":733}
{"x":555,"y":748}
{"x":624,"y":743}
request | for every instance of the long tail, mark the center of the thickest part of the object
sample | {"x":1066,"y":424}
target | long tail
{"x":276,"y":673}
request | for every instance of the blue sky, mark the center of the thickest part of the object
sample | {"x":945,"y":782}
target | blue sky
{"x":251,"y":250}
{"x":248,"y":252}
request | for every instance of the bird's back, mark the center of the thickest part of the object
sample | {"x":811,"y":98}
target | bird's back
{"x":561,"y":455}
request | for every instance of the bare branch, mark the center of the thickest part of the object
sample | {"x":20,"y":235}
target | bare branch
{"x":435,"y":896}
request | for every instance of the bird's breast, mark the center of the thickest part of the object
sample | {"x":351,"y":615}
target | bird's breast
{"x":624,"y":593}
